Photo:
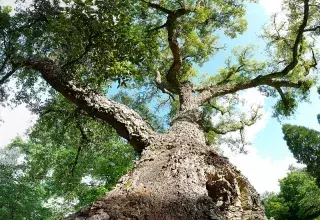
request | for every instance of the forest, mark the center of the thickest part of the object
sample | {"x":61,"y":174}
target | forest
{"x":135,"y":106}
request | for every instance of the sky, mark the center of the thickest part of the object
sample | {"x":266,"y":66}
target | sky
{"x":268,"y":158}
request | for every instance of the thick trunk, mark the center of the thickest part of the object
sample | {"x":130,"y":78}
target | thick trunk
{"x":179,"y":177}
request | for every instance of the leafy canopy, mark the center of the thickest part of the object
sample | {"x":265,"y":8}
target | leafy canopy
{"x":104,"y":44}
{"x":20,"y":198}
{"x":147,"y":50}
{"x":298,"y":198}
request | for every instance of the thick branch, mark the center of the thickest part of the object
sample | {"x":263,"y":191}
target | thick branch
{"x":172,"y":75}
{"x":124,"y":120}
{"x":157,"y":7}
{"x":220,"y":90}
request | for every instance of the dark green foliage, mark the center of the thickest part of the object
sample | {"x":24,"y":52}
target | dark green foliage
{"x":275,"y":206}
{"x":299,"y":198}
{"x":20,"y":197}
{"x":304,"y":143}
{"x":74,"y":156}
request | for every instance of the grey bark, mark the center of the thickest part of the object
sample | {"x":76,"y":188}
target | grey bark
{"x":179,"y":177}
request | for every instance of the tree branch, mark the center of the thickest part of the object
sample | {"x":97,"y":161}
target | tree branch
{"x":124,"y":120}
{"x":230,"y":74}
{"x":274,"y":79}
{"x":217,"y":108}
{"x":158,"y":28}
{"x":242,"y":124}
{"x":7,"y":76}
{"x":295,"y":49}
{"x":283,"y":97}
{"x":172,"y":74}
{"x":158,"y":7}
{"x":84,"y":139}
{"x":161,"y":86}
{"x":219,"y":90}
{"x":312,"y":29}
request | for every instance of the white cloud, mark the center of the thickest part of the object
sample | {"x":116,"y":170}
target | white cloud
{"x":15,"y":122}
{"x":271,"y":6}
{"x":262,"y":171}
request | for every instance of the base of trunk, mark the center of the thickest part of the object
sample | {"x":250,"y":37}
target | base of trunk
{"x":178,"y":179}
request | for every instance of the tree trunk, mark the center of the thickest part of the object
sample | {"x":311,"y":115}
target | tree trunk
{"x":179,"y":177}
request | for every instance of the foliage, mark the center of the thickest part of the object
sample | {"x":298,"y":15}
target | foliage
{"x":275,"y":206}
{"x":77,"y":158}
{"x":20,"y":198}
{"x":102,"y":44}
{"x":298,"y":198}
{"x":304,"y":143}
{"x":150,"y":49}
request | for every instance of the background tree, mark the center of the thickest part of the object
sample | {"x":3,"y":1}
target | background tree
{"x":76,"y":158}
{"x":304,"y":143}
{"x":20,"y":198}
{"x":84,"y":49}
{"x":298,"y":198}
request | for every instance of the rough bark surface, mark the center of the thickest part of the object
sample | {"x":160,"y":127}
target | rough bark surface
{"x":179,"y":177}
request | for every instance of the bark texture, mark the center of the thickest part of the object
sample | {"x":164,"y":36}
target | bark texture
{"x":179,"y":177}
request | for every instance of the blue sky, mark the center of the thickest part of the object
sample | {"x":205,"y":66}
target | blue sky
{"x":268,"y":157}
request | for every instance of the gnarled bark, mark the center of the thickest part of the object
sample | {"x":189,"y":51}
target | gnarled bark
{"x":179,"y":177}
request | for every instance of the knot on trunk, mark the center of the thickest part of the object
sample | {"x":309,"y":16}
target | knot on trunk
{"x":191,"y":115}
{"x":222,"y":189}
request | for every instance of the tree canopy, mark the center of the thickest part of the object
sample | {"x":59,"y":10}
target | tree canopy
{"x":304,"y":144}
{"x":20,"y":197}
{"x":155,"y":48}
{"x":298,"y":198}
{"x":98,"y":72}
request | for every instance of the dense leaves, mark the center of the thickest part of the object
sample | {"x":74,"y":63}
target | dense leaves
{"x":299,"y":198}
{"x":304,"y":143}
{"x":153,"y":50}
{"x":77,"y":157}
{"x":20,"y":197}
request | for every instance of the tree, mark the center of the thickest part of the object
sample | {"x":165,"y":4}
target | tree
{"x":19,"y":197}
{"x":298,"y":198}
{"x":82,"y":49}
{"x":275,"y":206}
{"x":64,"y":149}
{"x":304,"y":143}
